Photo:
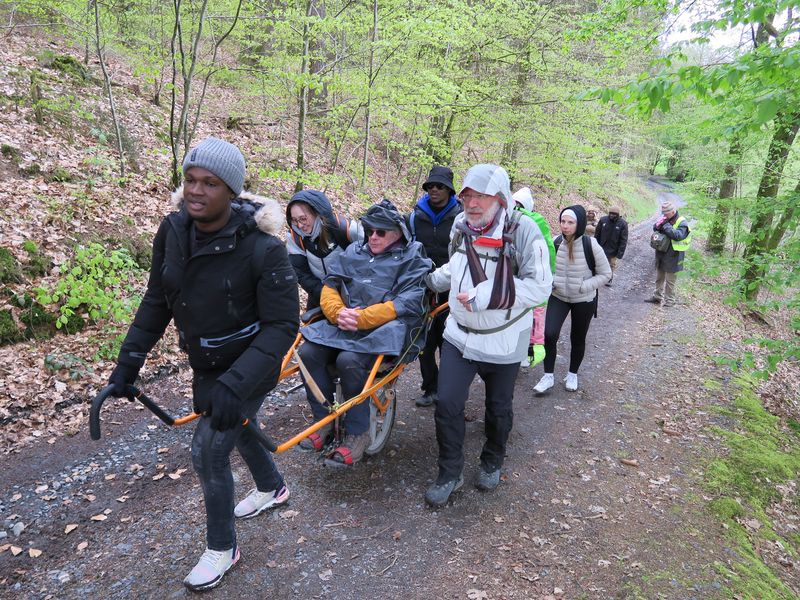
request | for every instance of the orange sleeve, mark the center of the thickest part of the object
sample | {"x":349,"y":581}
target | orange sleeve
{"x":331,"y":304}
{"x":376,"y":315}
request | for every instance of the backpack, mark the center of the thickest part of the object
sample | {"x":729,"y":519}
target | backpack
{"x":660,"y":242}
{"x":588,"y":253}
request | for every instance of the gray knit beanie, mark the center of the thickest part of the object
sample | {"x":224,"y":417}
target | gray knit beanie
{"x":221,"y":158}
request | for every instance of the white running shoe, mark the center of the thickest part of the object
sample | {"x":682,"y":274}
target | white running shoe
{"x":210,"y":569}
{"x":571,"y":382}
{"x":257,"y":502}
{"x":545,"y":383}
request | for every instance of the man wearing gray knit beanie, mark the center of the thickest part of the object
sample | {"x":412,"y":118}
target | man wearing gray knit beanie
{"x":220,"y":158}
{"x":221,"y":275}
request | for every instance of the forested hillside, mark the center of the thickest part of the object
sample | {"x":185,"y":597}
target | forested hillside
{"x":594,"y":103}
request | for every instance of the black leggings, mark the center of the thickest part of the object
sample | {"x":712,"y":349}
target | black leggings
{"x":557,"y":310}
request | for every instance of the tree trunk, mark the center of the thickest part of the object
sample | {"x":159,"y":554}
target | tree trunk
{"x":727,"y":189}
{"x":107,"y":82}
{"x":303,"y":102}
{"x":786,"y":127}
{"x":373,"y":41}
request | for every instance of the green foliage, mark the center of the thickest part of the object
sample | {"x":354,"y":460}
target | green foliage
{"x":109,"y":344}
{"x":760,"y":458}
{"x":10,"y":270}
{"x":9,"y":332}
{"x":75,"y":366}
{"x":95,"y":283}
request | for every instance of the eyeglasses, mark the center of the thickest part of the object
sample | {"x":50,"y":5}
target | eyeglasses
{"x":477,"y":196}
{"x":300,"y":221}
{"x":379,"y":232}
{"x":436,"y":186}
{"x":613,"y":214}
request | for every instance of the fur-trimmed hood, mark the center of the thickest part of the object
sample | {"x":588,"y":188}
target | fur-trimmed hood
{"x":267,"y":213}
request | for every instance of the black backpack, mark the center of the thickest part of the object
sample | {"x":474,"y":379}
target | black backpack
{"x":589,"y":254}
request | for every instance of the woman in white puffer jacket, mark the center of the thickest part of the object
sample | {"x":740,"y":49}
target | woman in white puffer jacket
{"x":574,"y":291}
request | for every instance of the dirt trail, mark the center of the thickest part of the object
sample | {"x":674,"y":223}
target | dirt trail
{"x":569,"y":521}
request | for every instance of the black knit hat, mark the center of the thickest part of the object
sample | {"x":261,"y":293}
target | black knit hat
{"x":580,"y":218}
{"x":441,"y":175}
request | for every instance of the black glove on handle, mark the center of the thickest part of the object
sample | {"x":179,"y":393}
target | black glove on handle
{"x":225,"y":408}
{"x":122,"y":376}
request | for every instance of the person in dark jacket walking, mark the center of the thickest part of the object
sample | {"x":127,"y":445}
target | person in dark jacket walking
{"x":670,"y":261}
{"x":612,"y":235}
{"x":430,"y":223}
{"x":316,"y":235}
{"x":224,"y":278}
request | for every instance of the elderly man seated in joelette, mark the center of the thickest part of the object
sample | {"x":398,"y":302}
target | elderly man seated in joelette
{"x":373,"y":299}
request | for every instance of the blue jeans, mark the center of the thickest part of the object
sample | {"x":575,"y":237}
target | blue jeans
{"x":211,"y":459}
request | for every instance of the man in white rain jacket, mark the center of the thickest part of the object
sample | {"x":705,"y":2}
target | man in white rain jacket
{"x":499,"y":270}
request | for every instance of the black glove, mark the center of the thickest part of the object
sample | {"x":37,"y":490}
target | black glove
{"x":121,"y":377}
{"x":225,"y":408}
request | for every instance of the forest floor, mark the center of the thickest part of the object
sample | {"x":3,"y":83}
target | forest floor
{"x":602,"y":493}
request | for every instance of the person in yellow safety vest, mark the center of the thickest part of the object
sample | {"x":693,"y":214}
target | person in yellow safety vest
{"x":670,"y":261}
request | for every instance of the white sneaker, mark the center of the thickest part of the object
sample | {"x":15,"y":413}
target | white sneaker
{"x":257,"y":502}
{"x":210,"y":569}
{"x":545,"y":383}
{"x":571,"y":382}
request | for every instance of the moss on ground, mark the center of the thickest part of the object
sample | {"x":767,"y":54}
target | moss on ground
{"x":761,"y":456}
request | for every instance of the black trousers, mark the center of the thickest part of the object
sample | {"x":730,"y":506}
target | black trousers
{"x":427,"y":358}
{"x":353,"y":368}
{"x":455,"y":378}
{"x":557,"y":311}
{"x":211,"y":451}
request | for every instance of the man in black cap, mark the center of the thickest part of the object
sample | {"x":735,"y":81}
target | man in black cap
{"x":430,"y":223}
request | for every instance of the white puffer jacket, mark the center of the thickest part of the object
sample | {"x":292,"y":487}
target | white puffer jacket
{"x":506,"y":333}
{"x":573,"y":280}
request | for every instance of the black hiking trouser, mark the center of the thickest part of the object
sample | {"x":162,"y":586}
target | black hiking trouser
{"x":353,"y":369}
{"x":455,"y":377}
{"x":211,"y":451}
{"x":557,"y":311}
{"x":427,"y":359}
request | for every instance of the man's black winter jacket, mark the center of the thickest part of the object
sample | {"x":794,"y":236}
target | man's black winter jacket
{"x":234,"y":302}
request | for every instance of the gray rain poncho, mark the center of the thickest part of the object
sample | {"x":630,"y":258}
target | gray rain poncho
{"x":363,"y":279}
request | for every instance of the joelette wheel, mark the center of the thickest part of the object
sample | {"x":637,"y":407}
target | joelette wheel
{"x":381,"y":423}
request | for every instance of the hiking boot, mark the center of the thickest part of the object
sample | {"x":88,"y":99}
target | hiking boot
{"x":654,"y":300}
{"x":571,"y":382}
{"x":427,"y":399}
{"x":545,"y":383}
{"x":488,"y":480}
{"x":439,"y":493}
{"x":211,"y":568}
{"x":317,"y":440}
{"x":350,"y":451}
{"x":257,"y":502}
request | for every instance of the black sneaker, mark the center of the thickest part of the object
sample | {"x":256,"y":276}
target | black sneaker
{"x":488,"y":480}
{"x":428,"y":399}
{"x":438,"y":494}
